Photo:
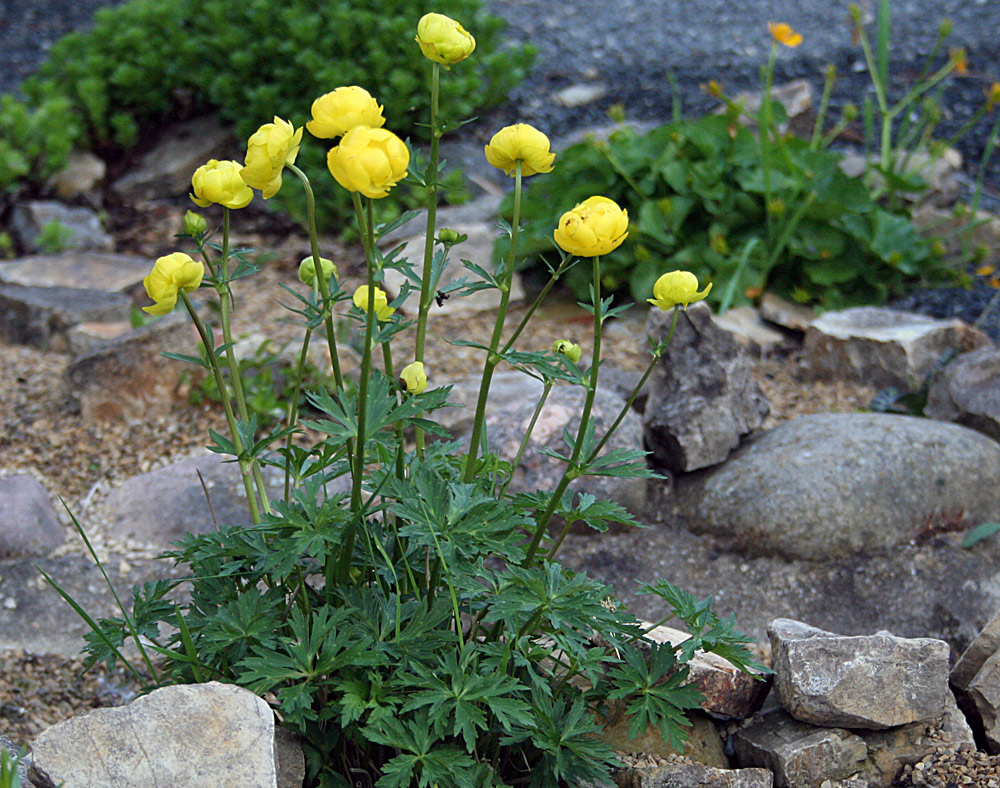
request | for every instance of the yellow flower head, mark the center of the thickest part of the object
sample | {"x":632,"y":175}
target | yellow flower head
{"x":220,"y":182}
{"x":520,"y":143}
{"x":413,"y":377}
{"x":370,"y":161}
{"x":595,"y":227}
{"x":784,"y":34}
{"x":336,"y":113}
{"x":382,"y":309}
{"x":171,"y":274}
{"x":444,"y":40}
{"x":566,"y":348}
{"x":992,"y":96}
{"x":269,"y":149}
{"x":307,"y":270}
{"x":678,"y":288}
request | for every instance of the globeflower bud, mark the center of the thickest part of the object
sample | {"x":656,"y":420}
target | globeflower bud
{"x":413,"y":378}
{"x":307,"y":270}
{"x":194,"y":224}
{"x":520,"y":143}
{"x":220,"y":182}
{"x":370,"y":161}
{"x":336,"y":113}
{"x":678,"y":288}
{"x":269,"y":149}
{"x":566,"y":348}
{"x":444,"y":40}
{"x":595,"y":227}
{"x":784,"y":34}
{"x":382,"y":309}
{"x":448,"y":236}
{"x":170,"y":274}
{"x":851,"y":112}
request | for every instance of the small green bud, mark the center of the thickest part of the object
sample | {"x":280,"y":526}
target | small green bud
{"x":617,"y":113}
{"x":776,"y":207}
{"x":850,"y":112}
{"x":945,"y":28}
{"x":194,"y":224}
{"x":855,"y":11}
{"x":307,"y":270}
{"x":450,"y":237}
{"x":938,"y":249}
{"x":566,"y":348}
{"x":980,"y":253}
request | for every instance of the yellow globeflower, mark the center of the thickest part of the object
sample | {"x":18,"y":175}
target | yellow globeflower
{"x":220,"y":182}
{"x":382,"y":309}
{"x":595,"y":227}
{"x":170,"y":274}
{"x":520,"y":143}
{"x":337,"y":112}
{"x":444,"y":40}
{"x":269,"y":149}
{"x":784,"y":34}
{"x":370,"y":161}
{"x":678,"y":288}
{"x":566,"y":348}
{"x":414,"y":377}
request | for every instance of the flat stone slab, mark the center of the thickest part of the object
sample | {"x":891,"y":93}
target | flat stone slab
{"x":868,"y":681}
{"x":829,"y":485}
{"x":42,"y":316}
{"x":693,"y":775}
{"x":209,"y":734}
{"x":109,"y":273}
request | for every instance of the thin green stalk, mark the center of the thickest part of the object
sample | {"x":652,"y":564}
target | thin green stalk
{"x":397,"y":428}
{"x":765,"y":122}
{"x":635,"y":392}
{"x":225,"y":297}
{"x":824,"y":103}
{"x":431,"y":183}
{"x":573,"y":467}
{"x":226,"y":405}
{"x":991,"y":144}
{"x":293,"y":408}
{"x":492,"y":358}
{"x":535,"y":304}
{"x":324,"y":284}
{"x":527,"y":436}
{"x":884,"y":29}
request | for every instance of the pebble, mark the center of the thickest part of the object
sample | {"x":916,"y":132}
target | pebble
{"x":950,"y":766}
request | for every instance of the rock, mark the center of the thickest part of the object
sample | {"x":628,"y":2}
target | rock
{"x":967,"y":391}
{"x":168,"y":167}
{"x":784,"y":313}
{"x":702,"y":398}
{"x":127,"y":378}
{"x":85,"y":338}
{"x":290,"y":761}
{"x":883,"y":347}
{"x":47,"y":225}
{"x":874,"y":681}
{"x":185,"y":735}
{"x":692,"y":775}
{"x":507,"y":425}
{"x":703,"y":745}
{"x":107,"y":273}
{"x":43,"y":296}
{"x":578,"y":95}
{"x":83,"y":171}
{"x":28,"y":522}
{"x":623,"y":382}
{"x":838,"y":483}
{"x":505,"y":388}
{"x":728,"y":692}
{"x":799,"y":755}
{"x":974,"y":657}
{"x":160,"y":506}
{"x":794,"y":96}
{"x":747,"y":327}
{"x":958,"y":230}
{"x":937,"y":171}
{"x":982,"y":702}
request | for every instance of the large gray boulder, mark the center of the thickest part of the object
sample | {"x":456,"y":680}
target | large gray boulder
{"x":694,"y":775}
{"x":869,"y":681}
{"x":37,"y":224}
{"x":833,"y":484}
{"x":702,"y":397}
{"x":28,"y":522}
{"x":210,"y":734}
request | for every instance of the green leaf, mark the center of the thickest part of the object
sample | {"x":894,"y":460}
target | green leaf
{"x":980,"y":532}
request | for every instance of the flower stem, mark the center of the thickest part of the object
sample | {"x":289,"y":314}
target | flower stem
{"x":225,"y":297}
{"x":431,"y":182}
{"x":492,"y":358}
{"x":527,"y":436}
{"x":573,"y":467}
{"x":220,"y":381}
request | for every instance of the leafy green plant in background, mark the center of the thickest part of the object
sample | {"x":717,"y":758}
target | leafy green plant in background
{"x":754,"y":211}
{"x":9,"y":775}
{"x":153,"y":61}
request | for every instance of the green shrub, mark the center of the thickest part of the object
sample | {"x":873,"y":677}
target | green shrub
{"x":35,"y":138}
{"x":151,"y":61}
{"x":695,"y":191}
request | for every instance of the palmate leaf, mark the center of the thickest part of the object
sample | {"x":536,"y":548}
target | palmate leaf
{"x":424,"y":760}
